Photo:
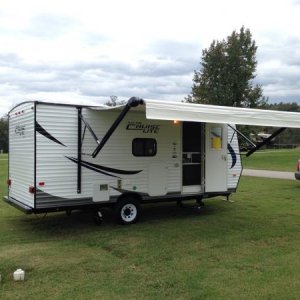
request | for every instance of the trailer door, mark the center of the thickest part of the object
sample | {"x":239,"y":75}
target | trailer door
{"x":191,"y":157}
{"x":215,"y":157}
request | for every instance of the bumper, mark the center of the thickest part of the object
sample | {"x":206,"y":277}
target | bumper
{"x":30,"y":210}
{"x":24,"y":208}
{"x":297,"y":175}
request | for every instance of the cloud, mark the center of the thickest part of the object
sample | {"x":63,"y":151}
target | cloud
{"x":9,"y":60}
{"x":145,"y":79}
{"x":87,"y":51}
{"x":51,"y":25}
{"x":155,"y":78}
{"x":175,"y":49}
{"x":278,"y":69}
{"x":94,"y":39}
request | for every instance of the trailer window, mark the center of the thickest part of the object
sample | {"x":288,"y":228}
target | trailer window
{"x":216,"y":138}
{"x":144,"y":147}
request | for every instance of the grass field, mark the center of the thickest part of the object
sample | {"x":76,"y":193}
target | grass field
{"x":277,"y":160}
{"x":248,"y":249}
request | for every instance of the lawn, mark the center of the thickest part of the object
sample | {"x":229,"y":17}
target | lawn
{"x":248,"y":249}
{"x":277,"y":160}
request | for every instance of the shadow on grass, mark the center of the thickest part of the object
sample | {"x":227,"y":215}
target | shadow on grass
{"x":79,"y":222}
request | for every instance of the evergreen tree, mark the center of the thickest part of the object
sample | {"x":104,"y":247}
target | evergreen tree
{"x":227,"y":72}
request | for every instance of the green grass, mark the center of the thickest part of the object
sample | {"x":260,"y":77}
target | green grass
{"x":277,"y":160}
{"x":248,"y":249}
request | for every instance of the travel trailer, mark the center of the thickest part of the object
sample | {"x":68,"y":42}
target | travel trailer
{"x":65,"y":157}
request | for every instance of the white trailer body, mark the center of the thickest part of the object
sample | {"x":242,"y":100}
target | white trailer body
{"x":64,"y":157}
{"x":46,"y":172}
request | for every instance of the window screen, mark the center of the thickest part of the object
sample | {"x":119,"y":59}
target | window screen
{"x":144,"y":147}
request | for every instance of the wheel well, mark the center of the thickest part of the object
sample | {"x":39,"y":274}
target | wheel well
{"x":130,"y":195}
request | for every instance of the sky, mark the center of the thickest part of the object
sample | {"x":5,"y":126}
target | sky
{"x":86,"y":51}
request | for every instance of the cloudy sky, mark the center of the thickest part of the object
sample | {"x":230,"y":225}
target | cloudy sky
{"x":86,"y":51}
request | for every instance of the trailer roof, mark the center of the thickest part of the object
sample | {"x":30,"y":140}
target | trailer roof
{"x":165,"y":110}
{"x":168,"y":110}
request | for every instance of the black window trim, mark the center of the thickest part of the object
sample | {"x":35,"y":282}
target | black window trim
{"x":145,"y":140}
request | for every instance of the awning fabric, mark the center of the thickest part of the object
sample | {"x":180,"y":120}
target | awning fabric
{"x":165,"y":110}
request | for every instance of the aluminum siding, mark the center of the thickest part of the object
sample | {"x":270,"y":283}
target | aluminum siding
{"x":117,"y":153}
{"x":234,"y":172}
{"x":57,"y":175}
{"x":21,"y":153}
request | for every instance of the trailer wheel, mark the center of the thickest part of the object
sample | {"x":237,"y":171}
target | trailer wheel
{"x":68,"y":212}
{"x":97,"y":217}
{"x":127,"y":211}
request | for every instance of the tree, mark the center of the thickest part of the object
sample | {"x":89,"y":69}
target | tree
{"x":288,"y":138}
{"x":114,"y":101}
{"x":291,"y":136}
{"x":284,"y":106}
{"x":3,"y":134}
{"x":227,"y":72}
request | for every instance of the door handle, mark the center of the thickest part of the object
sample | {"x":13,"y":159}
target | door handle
{"x":224,"y":157}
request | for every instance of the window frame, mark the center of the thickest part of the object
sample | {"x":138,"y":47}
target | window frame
{"x":145,"y":141}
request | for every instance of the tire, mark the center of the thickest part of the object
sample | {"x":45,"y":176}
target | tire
{"x":97,"y":217}
{"x":127,"y":211}
{"x":68,"y":212}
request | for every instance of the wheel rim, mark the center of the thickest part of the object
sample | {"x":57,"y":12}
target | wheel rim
{"x":128,"y":212}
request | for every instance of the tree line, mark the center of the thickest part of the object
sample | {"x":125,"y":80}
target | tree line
{"x":291,"y":136}
{"x":3,"y":135}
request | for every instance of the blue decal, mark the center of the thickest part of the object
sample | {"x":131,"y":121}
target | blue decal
{"x":233,"y":155}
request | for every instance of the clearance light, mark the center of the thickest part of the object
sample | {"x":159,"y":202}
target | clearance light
{"x":176,"y":122}
{"x":42,"y":183}
{"x":31,"y":190}
{"x":9,"y":182}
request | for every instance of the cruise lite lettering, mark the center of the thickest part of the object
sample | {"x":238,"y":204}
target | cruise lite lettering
{"x":145,"y":128}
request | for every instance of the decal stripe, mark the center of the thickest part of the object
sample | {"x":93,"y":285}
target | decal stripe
{"x":107,"y":169}
{"x":117,"y":171}
{"x":83,"y":164}
{"x":233,"y":155}
{"x":46,"y":134}
{"x":122,"y":191}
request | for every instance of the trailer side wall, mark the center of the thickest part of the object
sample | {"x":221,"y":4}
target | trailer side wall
{"x":21,"y":153}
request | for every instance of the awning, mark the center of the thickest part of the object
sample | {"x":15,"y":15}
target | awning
{"x":165,"y":110}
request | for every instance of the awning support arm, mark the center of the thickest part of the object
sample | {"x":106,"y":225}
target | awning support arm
{"x":242,"y":135}
{"x":132,"y":102}
{"x":266,"y":141}
{"x":87,"y":125}
{"x":79,"y":149}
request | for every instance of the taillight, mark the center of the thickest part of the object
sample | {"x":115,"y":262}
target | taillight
{"x":298,"y":166}
{"x":9,"y":182}
{"x":31,"y":190}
